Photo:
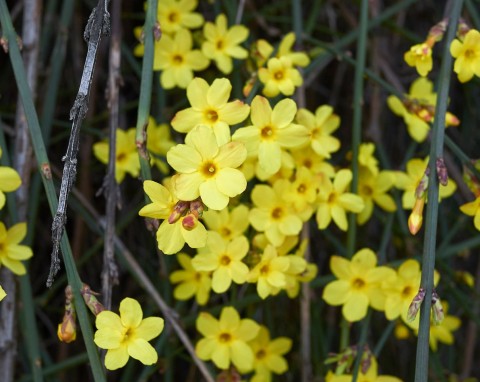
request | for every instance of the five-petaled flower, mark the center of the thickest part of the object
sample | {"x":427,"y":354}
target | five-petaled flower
{"x":225,"y":340}
{"x":176,"y":14}
{"x":127,"y":335}
{"x":280,"y":76}
{"x":358,"y":285}
{"x":420,"y":56}
{"x":206,"y":169}
{"x":467,"y":56}
{"x":11,"y":252}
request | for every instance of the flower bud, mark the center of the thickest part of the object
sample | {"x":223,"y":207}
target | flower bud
{"x":415,"y":305}
{"x":178,"y":211}
{"x":197,"y":208}
{"x":189,"y":222}
{"x":437,"y":309}
{"x":415,"y":219}
{"x":67,"y":330}
{"x":91,"y":301}
{"x":442,"y":173}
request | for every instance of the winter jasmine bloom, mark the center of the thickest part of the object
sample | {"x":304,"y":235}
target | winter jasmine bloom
{"x":224,"y":259}
{"x":320,"y":126}
{"x":272,"y":214}
{"x":190,"y":281}
{"x":418,"y":109}
{"x":126,"y":154}
{"x":210,"y":107}
{"x":420,"y":56}
{"x":442,"y":332}
{"x":279,"y":77}
{"x":11,"y":251}
{"x":176,"y":59}
{"x":271,"y":132}
{"x":223,"y":43}
{"x":127,"y":335}
{"x":225,"y":340}
{"x":9,"y":181}
{"x":369,"y":375}
{"x":159,"y":142}
{"x":473,"y":209}
{"x":409,"y":181}
{"x":366,"y":158}
{"x":171,"y":236}
{"x":334,"y":201}
{"x":467,"y":56}
{"x":269,"y":273}
{"x":358,"y":285}
{"x":316,"y":164}
{"x":229,"y":224}
{"x":175,"y":14}
{"x":207,"y":169}
{"x":302,"y":192}
{"x":268,"y":355}
{"x":373,"y":190}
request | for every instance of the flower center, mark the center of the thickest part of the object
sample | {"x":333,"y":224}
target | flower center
{"x":208,"y":169}
{"x":407,"y":291}
{"x":261,"y":354}
{"x":225,"y":260}
{"x":211,"y":116}
{"x":264,"y":270}
{"x":121,"y":157}
{"x":307,"y":163}
{"x":267,"y":132}
{"x":220,"y":45}
{"x":301,"y":189}
{"x":332,"y":198}
{"x":469,"y":54}
{"x":278,"y":75}
{"x":127,"y":334}
{"x":225,"y":231}
{"x":173,"y":17}
{"x":277,"y":213}
{"x":367,"y":190}
{"x":177,"y":59}
{"x":225,"y":337}
{"x":358,"y":283}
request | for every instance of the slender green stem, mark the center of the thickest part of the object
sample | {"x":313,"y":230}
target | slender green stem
{"x":146,"y":82}
{"x":44,"y":168}
{"x":383,"y":338}
{"x":436,"y":150}
{"x":357,"y":117}
{"x":361,"y":345}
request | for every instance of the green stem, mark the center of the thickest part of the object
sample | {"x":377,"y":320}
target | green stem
{"x":436,"y":150}
{"x":146,"y":82}
{"x":357,"y":117}
{"x":361,"y":345}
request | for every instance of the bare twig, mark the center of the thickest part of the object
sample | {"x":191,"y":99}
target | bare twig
{"x":98,"y":25}
{"x":110,"y":270}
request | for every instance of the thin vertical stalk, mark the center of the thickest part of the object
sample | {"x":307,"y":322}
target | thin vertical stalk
{"x":44,"y":168}
{"x":361,"y":345}
{"x":436,"y":150}
{"x":151,"y":29}
{"x":357,"y":116}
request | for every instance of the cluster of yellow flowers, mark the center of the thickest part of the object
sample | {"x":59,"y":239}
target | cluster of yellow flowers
{"x":362,"y":284}
{"x":250,"y":176}
{"x":11,"y":251}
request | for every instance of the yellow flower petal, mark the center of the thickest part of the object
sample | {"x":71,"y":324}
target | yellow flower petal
{"x":150,"y":328}
{"x":130,"y":312}
{"x":142,"y":351}
{"x":116,"y":358}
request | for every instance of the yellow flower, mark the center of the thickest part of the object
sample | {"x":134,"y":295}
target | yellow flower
{"x":222,"y":44}
{"x":373,"y":190}
{"x":370,"y":375}
{"x":9,"y":181}
{"x":210,"y":107}
{"x":358,"y":285}
{"x":126,"y":154}
{"x":279,"y":77}
{"x":2,"y":293}
{"x":302,"y":192}
{"x":269,"y":273}
{"x":320,"y":126}
{"x":229,"y":224}
{"x":190,"y":281}
{"x":207,"y":169}
{"x":473,"y":209}
{"x":306,"y":157}
{"x":409,"y":182}
{"x":366,"y":158}
{"x":127,"y":335}
{"x":11,"y":252}
{"x":334,"y":202}
{"x":268,"y":355}
{"x":159,"y":141}
{"x":224,"y":259}
{"x":299,"y":271}
{"x":285,"y":50}
{"x":176,"y":59}
{"x":420,"y":56}
{"x":225,"y":340}
{"x":418,"y":109}
{"x":171,"y":237}
{"x":271,"y":132}
{"x":467,"y":56}
{"x":271,"y":214}
{"x":402,"y":289}
{"x":176,"y":14}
